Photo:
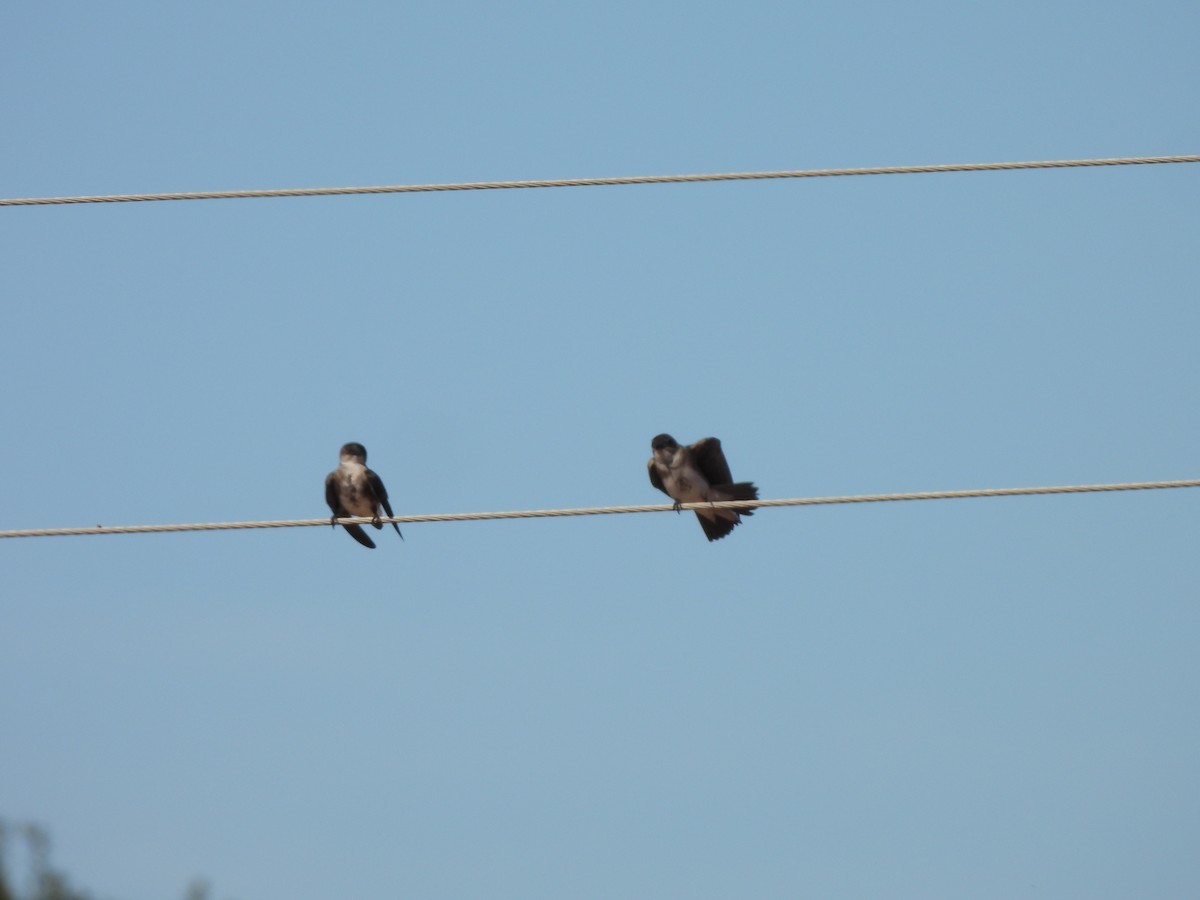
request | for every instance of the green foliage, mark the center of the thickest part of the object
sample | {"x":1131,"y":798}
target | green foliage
{"x":44,"y":882}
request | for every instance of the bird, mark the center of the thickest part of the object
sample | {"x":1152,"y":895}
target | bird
{"x":354,"y":490}
{"x":699,"y":472}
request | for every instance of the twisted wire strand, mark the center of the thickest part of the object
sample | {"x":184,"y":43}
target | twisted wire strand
{"x":595,"y":182}
{"x":612,"y":510}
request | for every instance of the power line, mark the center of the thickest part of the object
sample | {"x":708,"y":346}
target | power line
{"x":612,"y":510}
{"x":595,"y":182}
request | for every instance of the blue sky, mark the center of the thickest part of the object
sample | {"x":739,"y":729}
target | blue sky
{"x":987,"y":698}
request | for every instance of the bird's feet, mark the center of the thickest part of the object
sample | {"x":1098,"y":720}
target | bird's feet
{"x":678,"y":506}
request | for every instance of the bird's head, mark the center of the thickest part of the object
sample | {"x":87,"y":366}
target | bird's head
{"x":664,"y":447}
{"x":354,"y":452}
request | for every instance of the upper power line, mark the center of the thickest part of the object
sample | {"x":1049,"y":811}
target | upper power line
{"x":595,"y":182}
{"x":614,"y":510}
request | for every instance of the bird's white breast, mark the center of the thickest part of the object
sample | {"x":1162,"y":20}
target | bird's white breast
{"x":686,"y":484}
{"x":356,"y":496}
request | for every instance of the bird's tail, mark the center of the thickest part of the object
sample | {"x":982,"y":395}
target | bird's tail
{"x":359,"y":535}
{"x":719,"y":522}
{"x":742,"y":490}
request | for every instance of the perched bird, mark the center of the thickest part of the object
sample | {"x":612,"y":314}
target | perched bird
{"x":354,"y":490}
{"x":696,"y":473}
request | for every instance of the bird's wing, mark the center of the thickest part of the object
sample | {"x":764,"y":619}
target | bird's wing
{"x":331,"y":495}
{"x":655,"y":478}
{"x":380,"y":492}
{"x":710,"y":460}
